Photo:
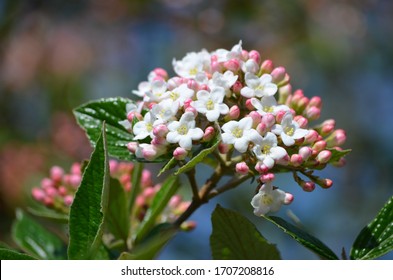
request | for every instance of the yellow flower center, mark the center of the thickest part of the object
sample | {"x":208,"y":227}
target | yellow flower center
{"x":268,"y":109}
{"x":237,"y":132}
{"x":289,"y":131}
{"x":260,"y":87}
{"x":267,"y":199}
{"x":193,"y":71}
{"x":266,"y":149}
{"x":182,"y":130}
{"x":149,"y":127}
{"x":210,"y":105}
{"x":174,"y":95}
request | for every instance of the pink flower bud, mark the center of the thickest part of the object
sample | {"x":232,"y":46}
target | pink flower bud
{"x":269,"y":120}
{"x":327,"y":126}
{"x":308,"y":186}
{"x":174,"y":83}
{"x":288,"y":198}
{"x":255,"y":55}
{"x":223,"y":148}
{"x":127,"y":186}
{"x":68,"y":200}
{"x":242,"y":168}
{"x":303,"y":102}
{"x":76,"y":168}
{"x":284,"y":94}
{"x":62,"y":190}
{"x":268,"y":177}
{"x":302,"y":121}
{"x":149,"y":152}
{"x":232,"y":64}
{"x":337,"y":138}
{"x":250,"y":66}
{"x":324,"y":156}
{"x":313,"y":113}
{"x":161,"y":72}
{"x":209,"y":133}
{"x":340,"y":163}
{"x":280,"y":115}
{"x":249,"y":105}
{"x":261,"y":168}
{"x":325,"y":183}
{"x":305,"y":152}
{"x":215,"y":66}
{"x":319,"y":146}
{"x":175,"y":201}
{"x":278,"y":74}
{"x":146,"y":180}
{"x":267,"y":66}
{"x":113,"y":164}
{"x":180,"y":153}
{"x":187,"y":103}
{"x":237,"y":87}
{"x":256,"y":118}
{"x":51,"y":192}
{"x":245,"y":55}
{"x":311,"y":136}
{"x":132,"y":146}
{"x":160,"y":130}
{"x":297,"y":95}
{"x":192,"y":110}
{"x":192,"y":84}
{"x":48,"y":201}
{"x":140,"y":201}
{"x":315,"y":101}
{"x":56,"y":173}
{"x":149,"y":193}
{"x":296,"y":160}
{"x":234,"y":112}
{"x":261,"y":128}
{"x":284,"y":161}
{"x":38,"y":194}
{"x":75,"y":180}
{"x":47,"y":183}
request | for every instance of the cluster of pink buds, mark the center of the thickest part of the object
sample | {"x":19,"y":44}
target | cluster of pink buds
{"x":58,"y":190}
{"x":248,"y":105}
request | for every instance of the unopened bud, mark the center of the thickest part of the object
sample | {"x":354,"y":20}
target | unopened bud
{"x":180,"y":153}
{"x":313,"y":113}
{"x":160,"y":130}
{"x":302,"y":121}
{"x":267,"y":66}
{"x":161,"y":72}
{"x":311,"y":136}
{"x":324,"y":156}
{"x":249,"y":105}
{"x":261,"y":128}
{"x":337,"y":138}
{"x":56,"y":173}
{"x":268,"y":177}
{"x":315,"y":101}
{"x":132,"y":146}
{"x":256,"y":118}
{"x":296,"y":160}
{"x":223,"y":148}
{"x":324,"y":183}
{"x":68,"y":200}
{"x":305,"y":152}
{"x":278,"y":74}
{"x":255,"y":55}
{"x":242,"y":168}
{"x":319,"y":146}
{"x":232,"y":65}
{"x":308,"y":186}
{"x":234,"y":112}
{"x":209,"y":133}
{"x":250,"y":66}
{"x":261,"y":168}
{"x":237,"y":87}
{"x":288,"y":198}
{"x":269,"y":120}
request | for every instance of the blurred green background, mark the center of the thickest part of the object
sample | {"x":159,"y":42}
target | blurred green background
{"x":57,"y":54}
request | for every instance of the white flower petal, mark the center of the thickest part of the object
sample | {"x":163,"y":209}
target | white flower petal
{"x":173,"y":137}
{"x":288,"y":141}
{"x":241,"y":144}
{"x":228,"y":138}
{"x":268,"y":161}
{"x":247,"y":92}
{"x":213,"y":115}
{"x":195,"y":133}
{"x":185,"y":142}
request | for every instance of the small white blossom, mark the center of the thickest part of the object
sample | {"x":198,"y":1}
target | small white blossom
{"x":156,"y":92}
{"x":225,"y":55}
{"x":224,"y":81}
{"x":240,"y":134}
{"x":184,"y":131}
{"x":258,"y":86}
{"x":180,"y":94}
{"x":144,"y":128}
{"x":192,"y":64}
{"x":267,"y":200}
{"x":211,"y":103}
{"x":267,"y":150}
{"x":143,"y":88}
{"x":166,"y":110}
{"x":289,"y":130}
{"x":250,"y":66}
{"x":268,"y":105}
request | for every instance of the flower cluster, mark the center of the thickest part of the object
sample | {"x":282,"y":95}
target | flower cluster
{"x":248,"y":105}
{"x":58,"y":190}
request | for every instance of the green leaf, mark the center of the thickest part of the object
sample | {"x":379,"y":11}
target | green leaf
{"x":118,"y":220}
{"x":153,"y":243}
{"x":136,"y":178}
{"x":169,"y":165}
{"x":336,"y":154}
{"x":34,"y":239}
{"x":376,"y":239}
{"x":235,"y":237}
{"x":6,"y":254}
{"x":90,"y":205}
{"x":160,"y":201}
{"x":200,"y":156}
{"x":49,"y":214}
{"x":111,"y":110}
{"x":304,"y":238}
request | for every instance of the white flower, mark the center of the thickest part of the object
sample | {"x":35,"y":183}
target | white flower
{"x":258,"y":86}
{"x":144,"y":128}
{"x":240,"y":134}
{"x":165,"y":110}
{"x":184,"y":131}
{"x":192,"y":64}
{"x":267,"y":200}
{"x":143,"y":88}
{"x":211,"y":103}
{"x":224,"y":81}
{"x":289,"y":130}
{"x":267,"y":150}
{"x":250,"y":66}
{"x":156,"y":92}
{"x":268,"y":104}
{"x":225,"y":55}
{"x":180,"y":94}
{"x":130,"y":108}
